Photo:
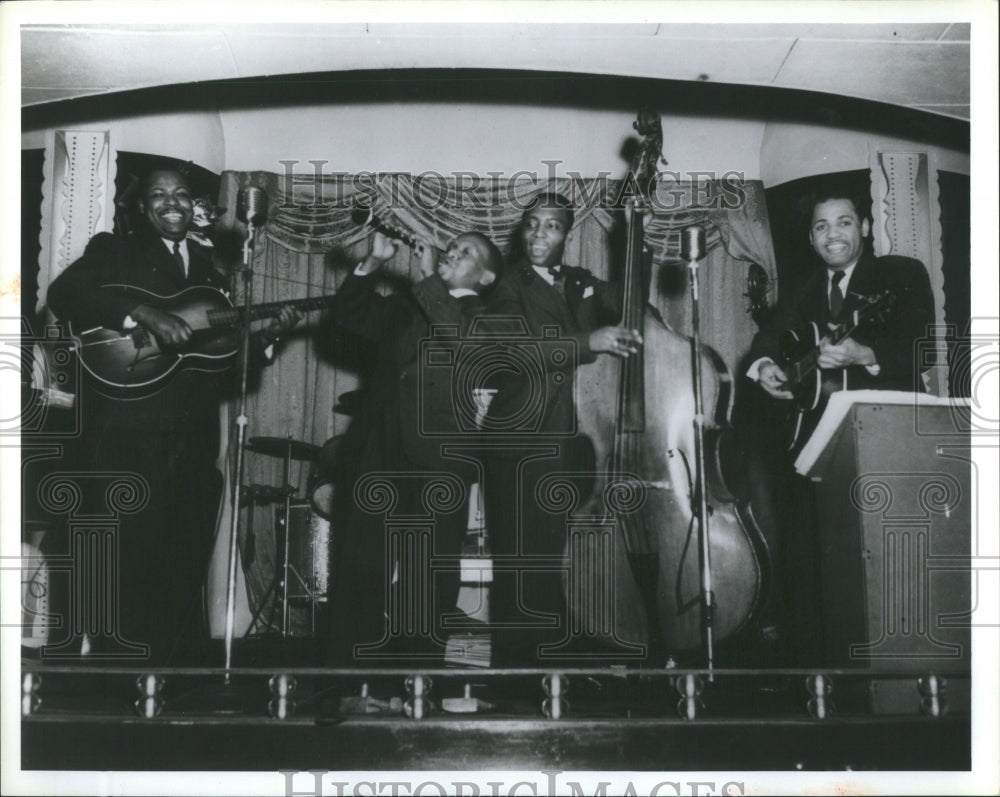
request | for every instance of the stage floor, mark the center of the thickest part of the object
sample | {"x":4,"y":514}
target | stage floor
{"x":120,"y":718}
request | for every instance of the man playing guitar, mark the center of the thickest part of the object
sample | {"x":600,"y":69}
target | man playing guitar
{"x":164,"y":445}
{"x":879,"y":354}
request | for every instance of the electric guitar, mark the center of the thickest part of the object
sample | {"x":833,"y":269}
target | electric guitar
{"x":800,"y":351}
{"x":132,"y":364}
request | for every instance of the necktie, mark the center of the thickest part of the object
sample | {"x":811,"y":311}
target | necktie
{"x":836,"y":295}
{"x":557,"y":280}
{"x":179,"y":258}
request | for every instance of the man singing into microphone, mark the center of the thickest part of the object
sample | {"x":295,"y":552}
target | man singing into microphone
{"x":169,"y":440}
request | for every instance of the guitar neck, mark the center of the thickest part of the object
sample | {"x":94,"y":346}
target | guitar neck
{"x":842,"y":332}
{"x":806,"y":364}
{"x":233,"y":316}
{"x":837,"y":335}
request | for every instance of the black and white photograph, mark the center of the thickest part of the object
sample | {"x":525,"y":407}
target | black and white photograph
{"x":495,"y":399}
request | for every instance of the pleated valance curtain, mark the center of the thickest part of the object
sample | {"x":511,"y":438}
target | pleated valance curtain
{"x":312,"y":217}
{"x":309,"y":243}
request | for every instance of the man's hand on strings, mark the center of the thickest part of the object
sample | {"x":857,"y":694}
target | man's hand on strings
{"x":287,"y":318}
{"x":168,"y":329}
{"x":618,"y":341}
{"x":847,"y":352}
{"x":773,"y":379}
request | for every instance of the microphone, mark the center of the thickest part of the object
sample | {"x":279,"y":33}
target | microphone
{"x":692,"y":243}
{"x":251,"y":207}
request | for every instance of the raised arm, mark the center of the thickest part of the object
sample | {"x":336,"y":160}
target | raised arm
{"x":359,"y":309}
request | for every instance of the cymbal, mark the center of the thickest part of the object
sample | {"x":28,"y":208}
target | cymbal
{"x":284,"y":447}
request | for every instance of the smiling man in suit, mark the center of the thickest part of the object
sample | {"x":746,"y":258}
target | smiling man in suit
{"x":539,"y":291}
{"x":877,"y":356}
{"x":882,"y":356}
{"x":169,"y":440}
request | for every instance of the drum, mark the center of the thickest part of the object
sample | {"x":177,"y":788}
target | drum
{"x":323,"y":478}
{"x":308,"y":552}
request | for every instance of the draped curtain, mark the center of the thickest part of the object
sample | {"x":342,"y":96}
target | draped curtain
{"x":310,"y":242}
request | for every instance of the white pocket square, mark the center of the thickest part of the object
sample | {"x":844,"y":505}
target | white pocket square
{"x":588,"y":291}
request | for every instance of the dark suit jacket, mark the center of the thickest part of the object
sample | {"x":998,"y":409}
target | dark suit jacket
{"x":894,"y":341}
{"x":413,"y":392}
{"x":140,"y":260}
{"x":523,"y":296}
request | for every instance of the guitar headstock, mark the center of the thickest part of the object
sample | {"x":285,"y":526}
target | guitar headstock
{"x":876,"y":307}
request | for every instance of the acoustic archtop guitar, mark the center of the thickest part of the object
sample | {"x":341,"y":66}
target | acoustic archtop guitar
{"x":131,"y":364}
{"x":799,"y":353}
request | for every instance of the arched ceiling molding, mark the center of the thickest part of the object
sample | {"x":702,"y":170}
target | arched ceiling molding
{"x":923,"y":66}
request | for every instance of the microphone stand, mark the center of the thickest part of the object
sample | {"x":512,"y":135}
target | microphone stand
{"x":693,"y":248}
{"x":241,"y":427}
{"x":227,"y":699}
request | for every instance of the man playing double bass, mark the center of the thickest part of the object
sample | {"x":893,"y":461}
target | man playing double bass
{"x":541,"y":291}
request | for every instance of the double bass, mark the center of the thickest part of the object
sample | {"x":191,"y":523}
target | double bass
{"x":643,"y":591}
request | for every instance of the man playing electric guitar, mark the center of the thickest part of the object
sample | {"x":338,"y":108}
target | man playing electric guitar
{"x":880,"y":354}
{"x":167,"y":441}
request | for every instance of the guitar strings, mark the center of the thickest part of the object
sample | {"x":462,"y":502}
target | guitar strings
{"x":304,"y":283}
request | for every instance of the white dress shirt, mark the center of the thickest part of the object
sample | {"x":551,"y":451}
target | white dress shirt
{"x":549,"y":277}
{"x":183,"y":249}
{"x":456,"y":292}
{"x":129,"y":322}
